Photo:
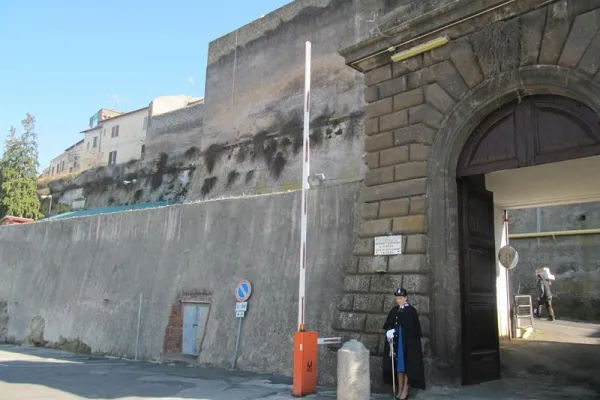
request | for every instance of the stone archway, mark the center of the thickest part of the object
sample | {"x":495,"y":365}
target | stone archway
{"x":458,"y":133}
{"x":419,"y":113}
{"x":531,"y":131}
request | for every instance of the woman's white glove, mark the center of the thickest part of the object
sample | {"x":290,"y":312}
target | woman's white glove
{"x":390,"y":335}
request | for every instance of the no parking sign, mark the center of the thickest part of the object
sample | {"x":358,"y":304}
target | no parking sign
{"x":243,"y":290}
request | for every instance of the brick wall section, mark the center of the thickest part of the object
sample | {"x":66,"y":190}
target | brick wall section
{"x":174,"y":330}
{"x":173,"y":339}
{"x":406,"y":105}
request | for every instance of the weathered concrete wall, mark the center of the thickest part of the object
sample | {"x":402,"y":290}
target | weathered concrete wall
{"x":148,"y":180}
{"x":175,"y":132}
{"x":83,"y":277}
{"x":575,"y":260}
{"x":420,"y":113}
{"x":252,"y":133}
{"x":248,"y":136}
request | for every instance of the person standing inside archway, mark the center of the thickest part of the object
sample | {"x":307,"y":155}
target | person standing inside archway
{"x":403,"y":331}
{"x":543,"y":277}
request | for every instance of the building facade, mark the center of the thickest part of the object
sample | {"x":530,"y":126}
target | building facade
{"x":467,"y":108}
{"x":68,"y":162}
{"x":463,"y":96}
{"x":112,"y":138}
{"x":120,"y":138}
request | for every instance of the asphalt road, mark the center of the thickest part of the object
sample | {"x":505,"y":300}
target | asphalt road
{"x":40,"y":374}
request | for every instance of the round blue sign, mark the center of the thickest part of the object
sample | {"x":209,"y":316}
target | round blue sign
{"x":243,"y":290}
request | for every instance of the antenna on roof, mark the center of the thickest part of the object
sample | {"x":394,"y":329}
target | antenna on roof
{"x":114,"y":101}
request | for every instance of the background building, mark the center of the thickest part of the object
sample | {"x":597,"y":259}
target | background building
{"x":68,"y":162}
{"x":118,"y":139}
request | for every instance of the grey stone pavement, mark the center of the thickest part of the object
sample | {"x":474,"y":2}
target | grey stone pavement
{"x":39,"y":374}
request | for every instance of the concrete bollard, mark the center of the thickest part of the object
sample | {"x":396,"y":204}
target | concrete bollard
{"x":353,"y":372}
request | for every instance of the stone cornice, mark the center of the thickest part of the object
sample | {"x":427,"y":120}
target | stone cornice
{"x":375,"y":51}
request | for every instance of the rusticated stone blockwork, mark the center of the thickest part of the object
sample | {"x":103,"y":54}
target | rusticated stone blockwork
{"x":408,"y":104}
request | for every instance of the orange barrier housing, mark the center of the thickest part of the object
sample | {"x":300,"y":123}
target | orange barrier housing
{"x":305,"y":363}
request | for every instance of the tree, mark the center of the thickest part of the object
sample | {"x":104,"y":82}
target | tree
{"x":18,"y":173}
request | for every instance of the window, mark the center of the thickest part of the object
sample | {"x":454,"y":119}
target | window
{"x":88,"y":146}
{"x":112,"y":158}
{"x":145,"y":123}
{"x":95,"y":142}
{"x":115,"y":131}
{"x":143,"y":149}
{"x":52,"y":173}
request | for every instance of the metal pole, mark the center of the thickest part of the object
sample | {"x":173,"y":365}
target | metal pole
{"x":237,"y":343}
{"x":137,"y":339}
{"x":304,"y":205}
{"x":510,"y":316}
{"x":50,"y":206}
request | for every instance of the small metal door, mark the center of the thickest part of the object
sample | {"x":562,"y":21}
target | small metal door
{"x":194,"y":322}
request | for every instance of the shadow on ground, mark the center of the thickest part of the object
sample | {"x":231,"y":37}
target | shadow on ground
{"x":27,"y":373}
{"x":559,"y":353}
{"x":532,"y":370}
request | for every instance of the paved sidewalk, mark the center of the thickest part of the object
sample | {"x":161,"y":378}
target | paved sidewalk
{"x":32,"y":373}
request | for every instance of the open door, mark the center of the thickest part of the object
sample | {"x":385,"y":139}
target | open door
{"x":480,"y":337}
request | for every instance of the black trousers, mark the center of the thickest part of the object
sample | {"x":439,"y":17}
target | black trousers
{"x":547,"y":302}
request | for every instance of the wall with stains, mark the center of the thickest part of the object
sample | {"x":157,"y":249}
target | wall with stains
{"x":80,"y":279}
{"x":253,"y":114}
{"x":246,"y":137}
{"x":176,"y":132}
{"x":573,"y":259}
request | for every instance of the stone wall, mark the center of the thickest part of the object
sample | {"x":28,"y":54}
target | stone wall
{"x":574,"y":260}
{"x":177,"y":132}
{"x":253,"y":123}
{"x":420,"y":113}
{"x":79,"y":280}
{"x":246,"y":138}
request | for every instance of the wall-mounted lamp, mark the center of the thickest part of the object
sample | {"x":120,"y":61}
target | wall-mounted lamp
{"x":420,"y":49}
{"x":50,"y":205}
{"x":316,"y":180}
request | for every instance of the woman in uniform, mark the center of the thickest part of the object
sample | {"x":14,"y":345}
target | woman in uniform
{"x":403,"y":329}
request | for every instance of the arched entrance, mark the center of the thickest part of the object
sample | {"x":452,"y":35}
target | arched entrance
{"x":532,"y":131}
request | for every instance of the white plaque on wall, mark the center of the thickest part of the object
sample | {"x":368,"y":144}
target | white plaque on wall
{"x":388,"y":245}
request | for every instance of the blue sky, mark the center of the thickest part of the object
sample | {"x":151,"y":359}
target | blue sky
{"x":64,"y":60}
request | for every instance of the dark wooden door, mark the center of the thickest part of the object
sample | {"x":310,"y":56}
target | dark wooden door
{"x":536,"y":130}
{"x":480,"y":336}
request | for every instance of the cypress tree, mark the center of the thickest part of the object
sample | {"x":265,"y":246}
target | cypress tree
{"x":18,"y":173}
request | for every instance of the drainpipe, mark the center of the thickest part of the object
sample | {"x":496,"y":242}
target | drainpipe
{"x":555,"y":233}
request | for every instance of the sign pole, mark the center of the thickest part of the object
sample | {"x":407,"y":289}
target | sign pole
{"x":508,"y":295}
{"x":304,"y":203}
{"x":305,"y":343}
{"x":237,"y":342}
{"x":243,"y":291}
